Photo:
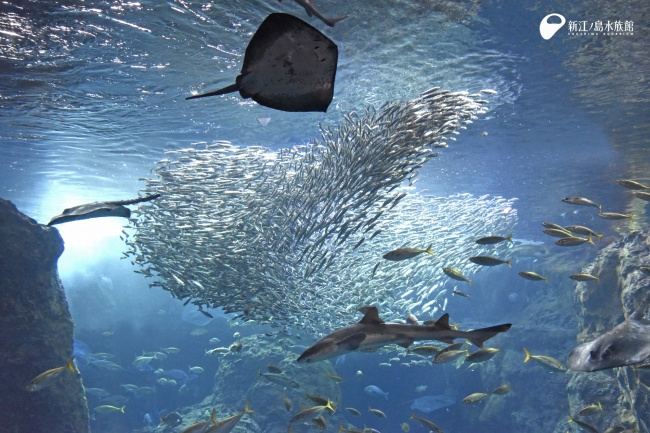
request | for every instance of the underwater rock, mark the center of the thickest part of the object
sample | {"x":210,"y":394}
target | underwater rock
{"x":602,"y":306}
{"x":36,"y":330}
{"x":236,"y":382}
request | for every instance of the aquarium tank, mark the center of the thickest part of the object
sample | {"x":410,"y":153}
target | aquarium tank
{"x":324,"y":215}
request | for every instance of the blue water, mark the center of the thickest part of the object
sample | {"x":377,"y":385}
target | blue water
{"x":92,"y":94}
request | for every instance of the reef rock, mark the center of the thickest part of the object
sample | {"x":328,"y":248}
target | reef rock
{"x":36,"y":330}
{"x":623,"y":392}
{"x":237,"y":381}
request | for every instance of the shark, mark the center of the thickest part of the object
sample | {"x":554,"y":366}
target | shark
{"x":626,"y":344}
{"x":312,"y":11}
{"x":371,"y":332}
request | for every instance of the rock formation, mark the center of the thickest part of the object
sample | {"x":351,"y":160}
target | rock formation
{"x":623,"y":392}
{"x":35,"y":330}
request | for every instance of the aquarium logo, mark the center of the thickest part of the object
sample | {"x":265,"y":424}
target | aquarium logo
{"x":606,"y":28}
{"x":547,"y":30}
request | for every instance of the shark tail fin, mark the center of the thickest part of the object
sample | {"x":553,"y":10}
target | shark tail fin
{"x":341,"y":428}
{"x":162,"y":420}
{"x":546,"y":279}
{"x":428,"y":250}
{"x":599,"y":236}
{"x":331,"y":21}
{"x":509,"y":238}
{"x":213,"y":417}
{"x":470,"y":282}
{"x":412,"y":415}
{"x":527,"y":355}
{"x":509,"y":262}
{"x":590,"y":240}
{"x":480,"y":336}
{"x":600,"y":406}
{"x":247,"y":409}
{"x":227,"y":89}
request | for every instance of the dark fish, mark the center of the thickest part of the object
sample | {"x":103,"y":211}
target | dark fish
{"x":493,"y":240}
{"x":581,"y":201}
{"x":482,"y":355}
{"x":475,"y":398}
{"x":503,"y":389}
{"x":631,"y":184}
{"x":489,"y":261}
{"x":206,"y":314}
{"x":456,"y":275}
{"x":459,"y":293}
{"x":319,"y":423}
{"x":626,"y":344}
{"x":573,"y":241}
{"x":288,"y":66}
{"x":319,"y":400}
{"x":581,"y":230}
{"x":426,"y":423}
{"x":583,"y":277}
{"x":374,"y":270}
{"x":377,"y":412}
{"x":310,"y":413}
{"x":583,"y":425}
{"x":592,"y":408}
{"x":642,"y":195}
{"x":614,"y":216}
{"x":553,"y":226}
{"x":533,"y":276}
{"x":99,"y":210}
{"x":558,"y":233}
{"x":173,"y":419}
{"x":406,"y":253}
{"x":228,"y":424}
{"x":287,"y":403}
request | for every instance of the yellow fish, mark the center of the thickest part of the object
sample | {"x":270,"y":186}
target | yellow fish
{"x":46,"y":379}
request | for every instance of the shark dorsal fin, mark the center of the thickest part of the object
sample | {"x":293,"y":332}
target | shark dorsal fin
{"x":443,"y":322}
{"x":372,"y":317}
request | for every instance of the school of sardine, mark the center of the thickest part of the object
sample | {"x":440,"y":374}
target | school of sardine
{"x":296,"y":233}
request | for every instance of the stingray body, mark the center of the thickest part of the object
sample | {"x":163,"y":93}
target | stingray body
{"x":626,"y":344}
{"x":429,"y":403}
{"x":99,"y":210}
{"x":288,"y":66}
{"x":312,"y":11}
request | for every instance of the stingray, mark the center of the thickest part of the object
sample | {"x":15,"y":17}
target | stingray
{"x":99,"y":210}
{"x":429,"y":403}
{"x":626,"y":344}
{"x":288,"y":66}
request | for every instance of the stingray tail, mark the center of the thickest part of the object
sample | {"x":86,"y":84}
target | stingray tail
{"x":227,"y":89}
